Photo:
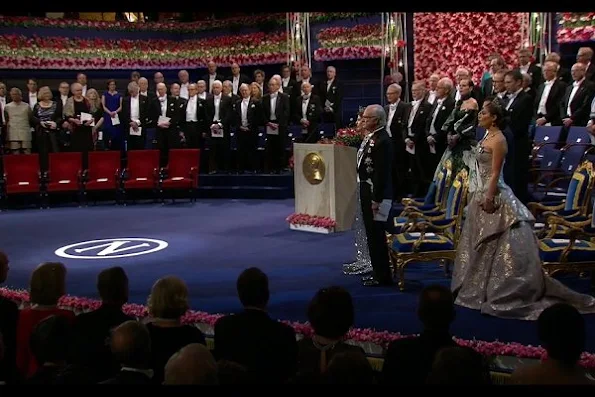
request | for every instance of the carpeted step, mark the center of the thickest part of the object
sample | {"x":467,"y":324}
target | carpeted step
{"x":245,"y":192}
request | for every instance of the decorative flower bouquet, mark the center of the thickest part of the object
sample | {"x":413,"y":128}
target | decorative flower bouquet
{"x":319,"y":222}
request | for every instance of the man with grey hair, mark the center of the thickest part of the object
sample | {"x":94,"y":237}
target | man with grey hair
{"x":131,"y":346}
{"x":184,"y":78}
{"x":432,"y":85}
{"x":237,"y":78}
{"x":441,"y":109}
{"x":218,"y":118}
{"x":212,"y":76}
{"x":396,"y":110}
{"x":331,"y":97}
{"x":135,"y":117}
{"x":191,"y":365}
{"x":374,"y":174}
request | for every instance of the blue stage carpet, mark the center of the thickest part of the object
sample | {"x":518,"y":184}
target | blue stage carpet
{"x":212,"y":241}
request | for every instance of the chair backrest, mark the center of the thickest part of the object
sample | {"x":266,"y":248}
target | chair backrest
{"x":456,"y":201}
{"x":103,"y":164}
{"x":65,"y":165}
{"x":545,"y":134}
{"x":440,"y":185}
{"x":578,"y":135}
{"x":571,"y":160}
{"x":181,"y":161}
{"x":479,"y":133}
{"x":142,"y":163}
{"x":579,"y":190}
{"x":21,"y":168}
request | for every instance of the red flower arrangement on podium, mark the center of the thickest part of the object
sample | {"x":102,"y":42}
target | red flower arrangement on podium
{"x":370,"y":340}
{"x":311,"y":223}
{"x":20,"y":52}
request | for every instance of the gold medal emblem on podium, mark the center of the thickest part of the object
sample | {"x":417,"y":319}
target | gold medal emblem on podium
{"x":314,"y":168}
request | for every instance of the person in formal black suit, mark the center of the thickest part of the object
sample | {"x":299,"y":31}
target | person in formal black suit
{"x":277,"y":114}
{"x":62,"y":93}
{"x":194,"y":119}
{"x":585,"y":56}
{"x":135,"y":117}
{"x":158,"y":79}
{"x":563,"y":73}
{"x":248,"y":116}
{"x":227,"y":90}
{"x":212,"y":76}
{"x":219,"y":117}
{"x":287,"y":82}
{"x":308,"y":111}
{"x":441,"y":109}
{"x":396,"y":112}
{"x":374,"y":169}
{"x":143,"y":86}
{"x":575,"y":107}
{"x":168,"y":132}
{"x":237,"y":78}
{"x":464,"y":74}
{"x":497,"y":64}
{"x":549,"y":96}
{"x":416,"y":142}
{"x":305,"y":76}
{"x":528,"y":86}
{"x":184,"y":83}
{"x":131,"y":347}
{"x":529,"y":67}
{"x":331,"y":97}
{"x":9,"y":314}
{"x":519,"y":112}
{"x":266,"y":347}
{"x":409,"y":361}
{"x":92,"y":329}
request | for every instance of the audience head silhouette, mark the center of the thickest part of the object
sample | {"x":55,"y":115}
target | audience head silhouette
{"x":436,"y":308}
{"x":50,"y":340}
{"x":253,"y":288}
{"x":331,"y":312}
{"x":192,"y":365}
{"x":561,"y":329}
{"x":349,"y":368}
{"x":47,"y":283}
{"x":112,"y":284}
{"x":459,"y":365}
{"x":168,"y":299}
{"x":131,"y":345}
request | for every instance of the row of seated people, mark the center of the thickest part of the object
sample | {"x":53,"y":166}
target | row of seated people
{"x":104,"y":172}
{"x":54,"y":346}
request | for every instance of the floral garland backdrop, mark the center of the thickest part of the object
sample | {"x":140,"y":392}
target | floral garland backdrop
{"x":445,"y":41}
{"x":576,"y":27}
{"x":172,"y":27}
{"x":357,"y":42}
{"x":358,"y":335}
{"x":20,"y":52}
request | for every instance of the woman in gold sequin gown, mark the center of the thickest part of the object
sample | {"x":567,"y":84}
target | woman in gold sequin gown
{"x":497,"y":269}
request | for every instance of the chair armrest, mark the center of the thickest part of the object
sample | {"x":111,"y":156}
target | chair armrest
{"x":539,"y":146}
{"x":413,"y":201}
{"x":557,"y":180}
{"x":535,"y":207}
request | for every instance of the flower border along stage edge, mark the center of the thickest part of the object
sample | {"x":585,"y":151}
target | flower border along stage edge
{"x":311,"y":223}
{"x":372,"y":341}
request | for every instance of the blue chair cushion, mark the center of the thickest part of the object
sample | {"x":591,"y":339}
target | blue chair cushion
{"x":432,"y":242}
{"x":551,"y":249}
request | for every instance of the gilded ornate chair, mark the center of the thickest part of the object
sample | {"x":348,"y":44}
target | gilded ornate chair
{"x":433,"y":238}
{"x":577,"y":200}
{"x":432,"y":204}
{"x":569,"y":246}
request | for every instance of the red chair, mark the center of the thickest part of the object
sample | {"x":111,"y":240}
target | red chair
{"x":142,"y":172}
{"x":182,"y":171}
{"x":65,"y":173}
{"x":22,"y":175}
{"x":103,"y":172}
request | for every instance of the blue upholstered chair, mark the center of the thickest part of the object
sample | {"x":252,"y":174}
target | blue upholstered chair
{"x":433,"y":238}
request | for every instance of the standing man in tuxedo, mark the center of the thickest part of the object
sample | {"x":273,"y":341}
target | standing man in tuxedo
{"x":396,"y":111}
{"x":576,"y":104}
{"x":531,"y":68}
{"x":248,"y":117}
{"x":210,"y":77}
{"x":374,"y":169}
{"x":584,"y":56}
{"x":549,"y":96}
{"x":441,"y":109}
{"x":519,"y":112}
{"x":194,"y":122}
{"x":276,"y":109}
{"x":218,"y":117}
{"x":237,"y":79}
{"x":135,"y":117}
{"x":331,"y":97}
{"x":168,"y":133}
{"x":308,"y":111}
{"x":416,"y":141}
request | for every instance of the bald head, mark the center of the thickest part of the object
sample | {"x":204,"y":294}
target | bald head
{"x":161,"y":89}
{"x":131,"y":344}
{"x":192,"y":365}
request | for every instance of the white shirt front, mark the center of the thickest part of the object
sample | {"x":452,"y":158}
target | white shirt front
{"x":184,"y":90}
{"x":63,"y":98}
{"x":284,"y":81}
{"x":438,"y":106}
{"x":392,"y":108}
{"x":512,"y":98}
{"x":236,"y":84}
{"x":546,"y":92}
{"x":135,"y":109}
{"x":431,"y":97}
{"x":212,"y":78}
{"x":32,"y":99}
{"x":163,"y":103}
{"x":3,"y":103}
{"x":244,"y":111}
{"x":414,"y":107}
{"x":191,"y":109}
{"x":85,"y":90}
{"x":457,"y":94}
{"x":274,"y":105}
{"x":217,"y":101}
{"x":203,"y":95}
{"x":305,"y":102}
{"x":575,"y":86}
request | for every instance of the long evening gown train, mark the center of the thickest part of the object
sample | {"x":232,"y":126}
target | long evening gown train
{"x":497,"y":268}
{"x":362,"y":263}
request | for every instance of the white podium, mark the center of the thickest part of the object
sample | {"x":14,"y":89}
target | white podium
{"x":325,"y":178}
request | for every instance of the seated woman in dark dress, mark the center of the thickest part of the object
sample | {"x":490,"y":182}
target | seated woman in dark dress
{"x":167,"y":304}
{"x":331,"y":315}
